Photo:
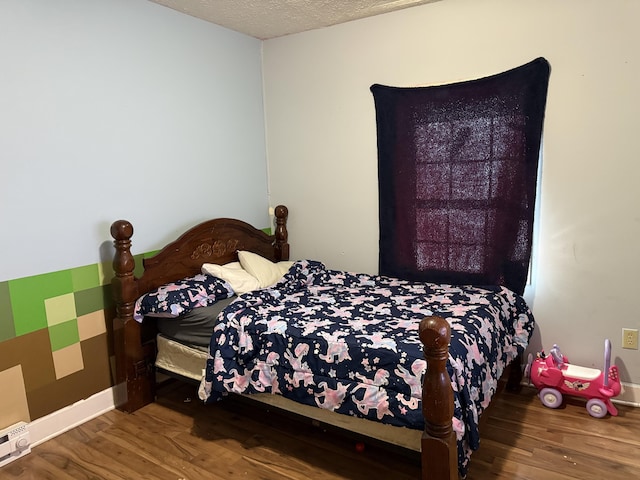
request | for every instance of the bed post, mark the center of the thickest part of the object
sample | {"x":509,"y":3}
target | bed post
{"x":281,"y":246}
{"x":439,"y":448}
{"x":135,"y":380}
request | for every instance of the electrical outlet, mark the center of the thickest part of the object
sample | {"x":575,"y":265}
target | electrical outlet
{"x":630,"y":338}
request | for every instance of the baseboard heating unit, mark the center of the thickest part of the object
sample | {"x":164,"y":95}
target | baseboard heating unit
{"x":15,"y":442}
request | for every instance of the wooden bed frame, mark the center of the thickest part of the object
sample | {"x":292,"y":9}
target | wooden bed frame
{"x":218,"y":241}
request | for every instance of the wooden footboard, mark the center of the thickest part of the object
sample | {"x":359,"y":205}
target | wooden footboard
{"x":439,"y":448}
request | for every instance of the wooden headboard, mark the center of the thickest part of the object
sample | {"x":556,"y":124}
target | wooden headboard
{"x":214,"y":241}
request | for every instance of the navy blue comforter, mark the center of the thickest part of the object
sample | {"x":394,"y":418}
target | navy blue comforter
{"x":349,"y":343}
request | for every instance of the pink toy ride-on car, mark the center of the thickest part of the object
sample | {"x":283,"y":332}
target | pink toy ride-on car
{"x":554,"y":376}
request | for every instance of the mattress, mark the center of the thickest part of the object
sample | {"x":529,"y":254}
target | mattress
{"x":178,"y":358}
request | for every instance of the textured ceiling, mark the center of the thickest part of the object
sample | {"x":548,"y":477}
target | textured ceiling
{"x":266,"y":19}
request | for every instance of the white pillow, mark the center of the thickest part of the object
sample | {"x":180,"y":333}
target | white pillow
{"x":266,"y":271}
{"x":284,"y":267}
{"x":240,"y":280}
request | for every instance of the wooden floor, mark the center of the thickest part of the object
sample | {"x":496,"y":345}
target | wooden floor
{"x":177,"y":438}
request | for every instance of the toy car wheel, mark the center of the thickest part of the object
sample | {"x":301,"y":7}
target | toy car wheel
{"x":596,"y":408}
{"x":550,"y":397}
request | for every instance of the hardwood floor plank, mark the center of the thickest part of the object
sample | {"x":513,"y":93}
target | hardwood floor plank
{"x":277,"y":441}
{"x":171,"y":452}
{"x":180,"y":439}
{"x":79,"y":461}
{"x":37,"y":468}
{"x":522,"y":436}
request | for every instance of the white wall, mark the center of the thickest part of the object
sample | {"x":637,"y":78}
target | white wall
{"x":321,"y":141}
{"x":121,"y":109}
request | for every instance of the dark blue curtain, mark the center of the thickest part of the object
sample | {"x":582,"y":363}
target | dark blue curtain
{"x":457,"y":170}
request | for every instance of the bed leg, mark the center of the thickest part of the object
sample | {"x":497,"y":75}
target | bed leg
{"x":439,"y":448}
{"x":515,"y":375}
{"x":135,"y":376}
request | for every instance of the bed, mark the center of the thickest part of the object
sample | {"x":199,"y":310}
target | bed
{"x":410,"y":364}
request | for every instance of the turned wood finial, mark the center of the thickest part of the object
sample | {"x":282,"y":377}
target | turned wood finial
{"x":435,"y":334}
{"x":123,"y":262}
{"x":282,"y":236}
{"x":121,"y":230}
{"x":281,"y":212}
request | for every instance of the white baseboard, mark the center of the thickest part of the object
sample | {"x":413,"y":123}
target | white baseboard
{"x":630,"y":395}
{"x":60,"y":421}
